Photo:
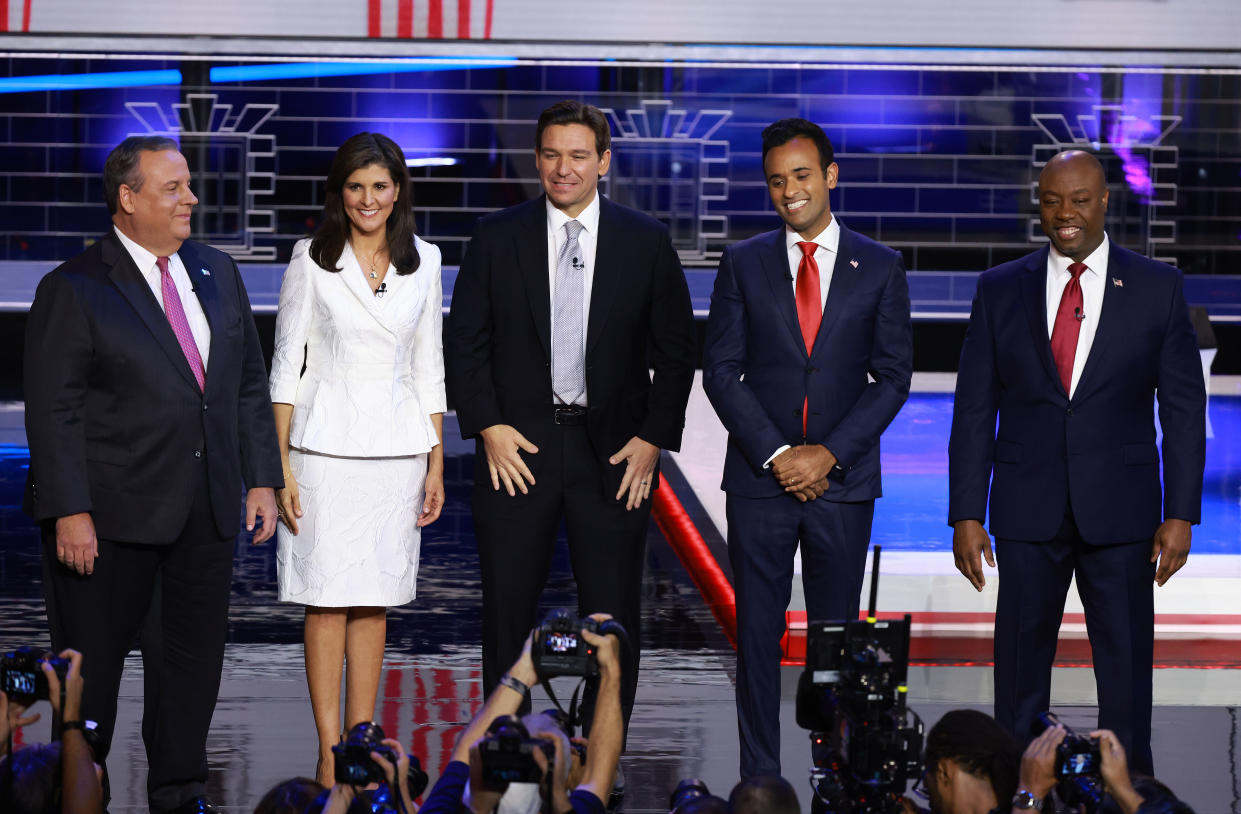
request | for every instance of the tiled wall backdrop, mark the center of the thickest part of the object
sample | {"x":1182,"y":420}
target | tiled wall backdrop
{"x":935,"y":162}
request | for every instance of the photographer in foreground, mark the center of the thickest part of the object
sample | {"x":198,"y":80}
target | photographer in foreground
{"x":33,"y":776}
{"x":603,"y":752}
{"x":971,"y":765}
{"x":1039,"y":777}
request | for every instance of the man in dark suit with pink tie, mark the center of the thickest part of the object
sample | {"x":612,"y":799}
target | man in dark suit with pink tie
{"x":808,"y":358}
{"x":147,"y":414}
{"x":1068,"y":347}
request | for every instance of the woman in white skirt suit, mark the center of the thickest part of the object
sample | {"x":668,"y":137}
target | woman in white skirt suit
{"x":360,"y":430}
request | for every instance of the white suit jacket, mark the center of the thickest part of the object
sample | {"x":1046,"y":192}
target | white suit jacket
{"x":374,"y":365}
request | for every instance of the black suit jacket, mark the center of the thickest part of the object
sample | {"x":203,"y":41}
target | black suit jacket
{"x":114,"y":417}
{"x":498,"y":348}
{"x":1096,"y":451}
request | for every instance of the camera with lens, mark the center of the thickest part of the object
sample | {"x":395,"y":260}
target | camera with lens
{"x":507,"y":753}
{"x":1078,"y":765}
{"x":354,"y":766}
{"x":23,"y":680}
{"x":559,"y":649}
{"x":865,"y":744}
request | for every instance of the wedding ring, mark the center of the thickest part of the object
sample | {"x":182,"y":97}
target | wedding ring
{"x":645,"y":482}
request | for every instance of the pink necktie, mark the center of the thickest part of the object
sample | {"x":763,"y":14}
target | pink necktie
{"x":1068,"y":325}
{"x":180,"y":325}
{"x":809,"y":307}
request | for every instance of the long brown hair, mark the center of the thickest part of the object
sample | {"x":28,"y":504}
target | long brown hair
{"x":363,"y":150}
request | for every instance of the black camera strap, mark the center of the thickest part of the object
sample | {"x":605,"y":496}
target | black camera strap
{"x":572,"y":714}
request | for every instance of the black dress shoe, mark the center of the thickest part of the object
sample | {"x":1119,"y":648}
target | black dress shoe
{"x":199,"y":805}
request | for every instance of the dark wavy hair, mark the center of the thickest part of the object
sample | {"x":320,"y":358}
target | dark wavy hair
{"x":785,"y":130}
{"x":980,"y":745}
{"x":359,"y":151}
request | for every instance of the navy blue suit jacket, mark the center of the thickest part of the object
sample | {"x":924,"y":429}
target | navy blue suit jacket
{"x":1096,"y":451}
{"x":757,"y":373}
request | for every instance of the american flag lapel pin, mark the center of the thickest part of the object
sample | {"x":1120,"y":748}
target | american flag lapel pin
{"x":1119,"y":283}
{"x":853,"y":263}
{"x":206,"y":272}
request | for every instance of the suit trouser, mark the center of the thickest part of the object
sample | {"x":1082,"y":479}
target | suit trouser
{"x":1115,"y":584}
{"x":516,"y":539}
{"x":181,"y":591}
{"x":763,"y":534}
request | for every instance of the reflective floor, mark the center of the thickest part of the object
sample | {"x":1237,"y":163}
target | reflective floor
{"x":684,"y":723}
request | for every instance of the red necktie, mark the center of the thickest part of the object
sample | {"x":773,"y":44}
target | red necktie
{"x":809,"y":307}
{"x":1068,"y":325}
{"x":180,"y":325}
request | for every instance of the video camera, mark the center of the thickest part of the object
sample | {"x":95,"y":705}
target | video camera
{"x":865,"y":744}
{"x":1078,"y":764}
{"x":558,"y":648}
{"x":23,"y":680}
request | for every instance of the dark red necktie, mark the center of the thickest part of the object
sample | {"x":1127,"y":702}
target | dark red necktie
{"x":1068,"y":325}
{"x":809,"y":307}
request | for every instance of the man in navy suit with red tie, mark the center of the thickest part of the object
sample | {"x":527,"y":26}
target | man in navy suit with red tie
{"x":1069,"y":347}
{"x":808,"y":358}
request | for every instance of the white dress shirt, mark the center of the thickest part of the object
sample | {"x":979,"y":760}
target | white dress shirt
{"x":145,"y":261}
{"x":588,"y":240}
{"x":825,"y":256}
{"x":1094,"y":284}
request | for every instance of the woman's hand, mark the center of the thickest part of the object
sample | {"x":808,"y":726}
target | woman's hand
{"x":289,"y":502}
{"x":433,"y":502}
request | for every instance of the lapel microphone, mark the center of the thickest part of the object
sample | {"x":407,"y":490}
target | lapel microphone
{"x":1078,"y":314}
{"x":383,"y":289}
{"x":577,"y":263}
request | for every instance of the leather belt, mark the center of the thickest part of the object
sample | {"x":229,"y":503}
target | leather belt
{"x":573,"y":415}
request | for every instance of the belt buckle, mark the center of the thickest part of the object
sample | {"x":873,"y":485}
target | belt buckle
{"x":568,"y":415}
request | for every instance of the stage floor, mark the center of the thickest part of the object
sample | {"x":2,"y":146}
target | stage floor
{"x":684,"y":723}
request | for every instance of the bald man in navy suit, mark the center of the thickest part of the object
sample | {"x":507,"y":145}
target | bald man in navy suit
{"x":1068,"y":347}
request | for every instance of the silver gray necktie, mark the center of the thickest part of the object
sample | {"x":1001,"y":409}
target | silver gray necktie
{"x":568,"y":305}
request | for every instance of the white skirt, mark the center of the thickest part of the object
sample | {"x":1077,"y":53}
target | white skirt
{"x":358,"y":537}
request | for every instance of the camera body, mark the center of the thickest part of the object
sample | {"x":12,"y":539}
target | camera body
{"x":21,"y":677}
{"x":866,"y":745}
{"x":507,"y":753}
{"x":1078,"y":766}
{"x":354,"y":766}
{"x":559,"y":649}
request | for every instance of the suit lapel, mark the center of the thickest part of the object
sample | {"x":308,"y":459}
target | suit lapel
{"x":775,"y":260}
{"x":1112,"y":316}
{"x":531,"y":257}
{"x":1034,"y":298}
{"x":845,"y":276}
{"x":609,"y":266}
{"x":354,"y":278}
{"x":133,"y":286}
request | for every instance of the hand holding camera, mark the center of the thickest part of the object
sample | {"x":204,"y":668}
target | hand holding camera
{"x":566,"y":646}
{"x":367,"y":757}
{"x":1114,"y":769}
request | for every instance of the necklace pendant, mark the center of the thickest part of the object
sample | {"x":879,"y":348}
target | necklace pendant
{"x":374,"y":276}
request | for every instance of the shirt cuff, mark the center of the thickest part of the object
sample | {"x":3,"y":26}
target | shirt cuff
{"x":774,"y":455}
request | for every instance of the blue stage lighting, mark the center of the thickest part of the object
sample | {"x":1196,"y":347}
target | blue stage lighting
{"x":88,"y":81}
{"x":305,"y":70}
